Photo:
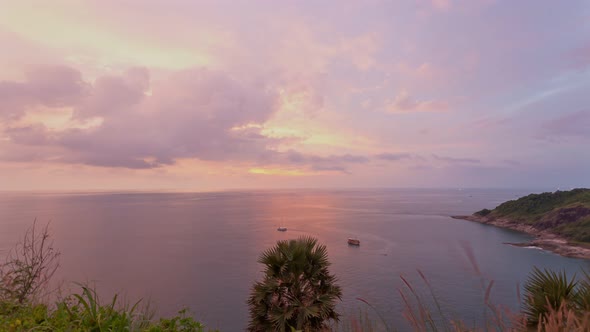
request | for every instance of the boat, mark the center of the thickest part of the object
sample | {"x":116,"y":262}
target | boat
{"x":354,"y":242}
{"x":282,"y":229}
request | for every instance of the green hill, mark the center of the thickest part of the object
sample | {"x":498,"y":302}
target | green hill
{"x":566,"y":213}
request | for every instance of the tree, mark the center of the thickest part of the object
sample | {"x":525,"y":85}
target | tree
{"x":297,"y":291}
{"x":546,"y":292}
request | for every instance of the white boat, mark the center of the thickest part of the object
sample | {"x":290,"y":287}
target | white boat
{"x":282,"y":229}
{"x":354,"y":242}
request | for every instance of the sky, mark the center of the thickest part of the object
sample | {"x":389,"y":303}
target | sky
{"x":244,"y":94}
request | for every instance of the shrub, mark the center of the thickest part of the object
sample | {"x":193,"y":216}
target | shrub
{"x":28,"y":267}
{"x":85,"y":312}
{"x":483,"y":212}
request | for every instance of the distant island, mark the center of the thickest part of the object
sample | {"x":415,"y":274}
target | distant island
{"x":560,"y":221}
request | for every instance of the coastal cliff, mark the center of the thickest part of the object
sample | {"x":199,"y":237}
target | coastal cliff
{"x":560,"y":221}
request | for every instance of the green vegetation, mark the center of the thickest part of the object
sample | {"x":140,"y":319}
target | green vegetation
{"x":84,"y":312}
{"x":563,"y":212}
{"x":297,"y":291}
{"x":483,"y":212}
{"x":546,"y":291}
{"x":577,"y":231}
{"x":24,"y":276}
{"x":534,"y":206}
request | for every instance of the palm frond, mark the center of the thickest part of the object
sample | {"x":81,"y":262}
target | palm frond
{"x":298,"y":290}
{"x":546,"y":291}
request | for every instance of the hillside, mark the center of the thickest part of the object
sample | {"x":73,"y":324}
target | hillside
{"x":566,"y":213}
{"x":560,"y":221}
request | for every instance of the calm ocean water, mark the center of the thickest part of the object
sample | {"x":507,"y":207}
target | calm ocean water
{"x":200,"y":249}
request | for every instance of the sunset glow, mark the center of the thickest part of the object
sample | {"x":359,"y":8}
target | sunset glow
{"x":208,"y":95}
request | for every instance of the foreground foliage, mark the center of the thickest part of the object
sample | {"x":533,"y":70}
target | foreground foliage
{"x":548,"y":292}
{"x":28,"y":267}
{"x":84,"y":312}
{"x":25,"y":275}
{"x":297,"y":291}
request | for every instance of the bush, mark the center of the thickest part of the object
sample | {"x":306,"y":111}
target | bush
{"x":84,"y":312}
{"x":483,"y":212}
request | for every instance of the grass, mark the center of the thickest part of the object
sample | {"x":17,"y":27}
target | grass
{"x":84,"y":311}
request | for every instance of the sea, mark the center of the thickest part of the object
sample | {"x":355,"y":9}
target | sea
{"x":200,"y":250}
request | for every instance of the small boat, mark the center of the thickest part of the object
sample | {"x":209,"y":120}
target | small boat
{"x":282,"y":229}
{"x":354,"y":242}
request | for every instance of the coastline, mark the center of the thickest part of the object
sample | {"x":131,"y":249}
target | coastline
{"x":544,"y":239}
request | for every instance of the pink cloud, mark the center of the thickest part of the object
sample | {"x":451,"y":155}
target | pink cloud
{"x":196,"y":114}
{"x":111,"y":94}
{"x":422,"y":76}
{"x":575,"y":124}
{"x":190,"y":115}
{"x":405,"y":103}
{"x":53,"y":86}
{"x":314,"y":73}
{"x":453,"y":160}
{"x":581,"y":55}
{"x":441,"y":4}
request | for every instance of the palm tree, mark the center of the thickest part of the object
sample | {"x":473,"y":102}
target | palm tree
{"x":547,"y":291}
{"x":297,"y":291}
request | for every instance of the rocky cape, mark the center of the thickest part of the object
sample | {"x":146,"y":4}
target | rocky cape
{"x":544,"y":237}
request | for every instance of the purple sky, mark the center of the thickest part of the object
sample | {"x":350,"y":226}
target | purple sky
{"x":208,"y":95}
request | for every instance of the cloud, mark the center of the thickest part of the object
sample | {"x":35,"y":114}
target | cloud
{"x":195,"y":114}
{"x":441,"y":4}
{"x":51,"y":86}
{"x":511,"y":162}
{"x":192,"y":114}
{"x":405,"y":103}
{"x":340,"y":163}
{"x":393,"y":156}
{"x":320,"y":163}
{"x":581,"y":56}
{"x":340,"y":169}
{"x":573,"y":124}
{"x":348,"y":158}
{"x":453,"y":160}
{"x":111,"y":94}
{"x":29,"y":135}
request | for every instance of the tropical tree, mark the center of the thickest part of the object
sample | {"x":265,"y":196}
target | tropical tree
{"x":297,"y":290}
{"x":548,"y":291}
